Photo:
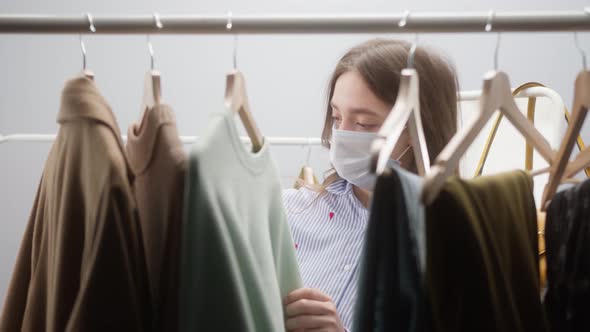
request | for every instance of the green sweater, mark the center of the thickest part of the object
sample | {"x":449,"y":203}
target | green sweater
{"x":238,"y":259}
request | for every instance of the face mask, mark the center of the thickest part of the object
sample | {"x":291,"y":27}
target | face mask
{"x":350,"y":154}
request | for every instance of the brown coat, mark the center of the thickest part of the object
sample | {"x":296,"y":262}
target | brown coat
{"x":81,"y":265}
{"x":158,"y":161}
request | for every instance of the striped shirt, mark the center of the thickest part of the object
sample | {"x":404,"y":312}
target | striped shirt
{"x":328,"y":233}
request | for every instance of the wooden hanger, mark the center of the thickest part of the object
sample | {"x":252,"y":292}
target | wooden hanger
{"x":582,"y":160}
{"x":152,"y":94}
{"x":306,"y":175}
{"x":560,"y":165}
{"x":305,"y":178}
{"x":406,"y":110}
{"x":236,"y":100}
{"x":88,"y":74}
{"x":496,"y":95}
{"x":152,"y":84}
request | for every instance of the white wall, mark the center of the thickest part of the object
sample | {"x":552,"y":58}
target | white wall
{"x":286,"y":77}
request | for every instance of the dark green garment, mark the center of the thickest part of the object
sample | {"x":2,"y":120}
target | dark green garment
{"x":390,"y":288}
{"x":482,"y":270}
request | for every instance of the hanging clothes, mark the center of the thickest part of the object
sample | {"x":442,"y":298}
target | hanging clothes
{"x":482,"y":268}
{"x":391,"y":296}
{"x":542,"y":252}
{"x":238,"y":258}
{"x":412,"y":188}
{"x":567,"y":235}
{"x":158,"y":160}
{"x":81,"y":265}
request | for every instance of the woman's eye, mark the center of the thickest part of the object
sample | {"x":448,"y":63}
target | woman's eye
{"x":366,"y":126}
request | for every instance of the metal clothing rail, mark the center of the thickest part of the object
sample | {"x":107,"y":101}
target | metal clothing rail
{"x":301,"y":141}
{"x":503,"y":21}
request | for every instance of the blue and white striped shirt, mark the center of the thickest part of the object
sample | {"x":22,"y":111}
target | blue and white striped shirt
{"x":328,"y":232}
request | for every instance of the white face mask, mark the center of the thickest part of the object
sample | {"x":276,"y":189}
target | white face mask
{"x":350,"y":154}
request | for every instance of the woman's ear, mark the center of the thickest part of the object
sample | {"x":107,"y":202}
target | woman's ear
{"x":409,"y":162}
{"x":404,"y":153}
{"x":401,"y":147}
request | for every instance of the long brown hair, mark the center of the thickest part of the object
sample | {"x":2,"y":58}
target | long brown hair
{"x":380,"y":62}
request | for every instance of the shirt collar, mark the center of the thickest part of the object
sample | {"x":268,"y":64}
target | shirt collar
{"x":142,"y":137}
{"x":81,"y":100}
{"x":339,"y":187}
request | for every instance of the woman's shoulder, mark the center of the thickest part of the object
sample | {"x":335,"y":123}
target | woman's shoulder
{"x":300,"y":193}
{"x":298,"y":201}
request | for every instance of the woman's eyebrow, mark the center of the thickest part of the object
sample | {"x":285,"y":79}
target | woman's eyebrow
{"x":356,"y":110}
{"x":362,"y":110}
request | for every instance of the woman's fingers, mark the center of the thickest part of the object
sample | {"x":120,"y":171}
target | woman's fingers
{"x":309,"y":307}
{"x":306,"y":293}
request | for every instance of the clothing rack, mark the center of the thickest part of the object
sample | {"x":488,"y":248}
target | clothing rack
{"x":408,"y":21}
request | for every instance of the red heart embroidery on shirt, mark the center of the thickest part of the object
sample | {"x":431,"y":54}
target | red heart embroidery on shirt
{"x":331,"y":215}
{"x":296,"y":246}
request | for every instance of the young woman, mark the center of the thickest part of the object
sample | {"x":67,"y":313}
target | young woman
{"x":328,"y":223}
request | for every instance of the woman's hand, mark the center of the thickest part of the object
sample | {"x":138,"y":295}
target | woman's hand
{"x":308,"y":309}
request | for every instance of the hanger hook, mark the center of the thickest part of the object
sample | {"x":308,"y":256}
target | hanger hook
{"x":410,"y":63}
{"x":159,"y":25}
{"x":83,"y":48}
{"x":92,"y":28}
{"x":229,"y":27}
{"x":402,"y":23}
{"x":580,"y":49}
{"x":489,"y":28}
{"x":150,"y":51}
{"x":308,"y":151}
{"x":157,"y":20}
{"x":577,"y":42}
{"x":90,"y":22}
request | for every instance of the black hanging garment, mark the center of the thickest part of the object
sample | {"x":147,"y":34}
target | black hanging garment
{"x":567,"y":236}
